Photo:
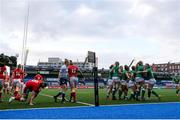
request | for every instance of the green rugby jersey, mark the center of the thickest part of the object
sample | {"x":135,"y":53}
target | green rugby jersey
{"x":116,"y":71}
{"x":124,"y":77}
{"x":139,"y":68}
{"x":176,"y":79}
{"x":133,"y":73}
{"x":150,"y":74}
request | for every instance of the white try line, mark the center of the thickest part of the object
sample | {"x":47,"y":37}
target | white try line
{"x":76,"y":102}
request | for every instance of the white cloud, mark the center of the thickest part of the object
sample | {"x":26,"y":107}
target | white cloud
{"x":84,"y":11}
{"x":140,"y":9}
{"x":116,"y":30}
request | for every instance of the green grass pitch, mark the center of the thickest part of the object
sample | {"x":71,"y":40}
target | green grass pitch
{"x":84,"y":96}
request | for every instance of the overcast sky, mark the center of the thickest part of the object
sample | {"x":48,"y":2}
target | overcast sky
{"x":117,"y":30}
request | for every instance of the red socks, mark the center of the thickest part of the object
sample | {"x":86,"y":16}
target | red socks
{"x":73,"y":95}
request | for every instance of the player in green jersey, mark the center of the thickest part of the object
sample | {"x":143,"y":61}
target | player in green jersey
{"x":150,"y":81}
{"x":110,"y":82}
{"x":176,"y":81}
{"x":132,"y":83}
{"x":116,"y":80}
{"x":125,"y":79}
{"x":120,"y":77}
{"x":139,"y":80}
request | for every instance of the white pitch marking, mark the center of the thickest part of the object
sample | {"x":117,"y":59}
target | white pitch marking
{"x":76,"y":102}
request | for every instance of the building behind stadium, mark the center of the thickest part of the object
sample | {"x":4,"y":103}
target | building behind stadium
{"x":167,"y":67}
{"x":56,"y":62}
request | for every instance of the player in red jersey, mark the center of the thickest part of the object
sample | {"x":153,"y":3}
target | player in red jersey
{"x":33,"y":86}
{"x":6,"y":84}
{"x":17,"y":79}
{"x":3,"y":73}
{"x":38,"y":77}
{"x":73,"y":80}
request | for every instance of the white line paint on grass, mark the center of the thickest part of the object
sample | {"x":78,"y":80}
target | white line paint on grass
{"x":76,"y":102}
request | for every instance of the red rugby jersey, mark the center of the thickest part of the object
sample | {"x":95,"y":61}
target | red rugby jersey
{"x":73,"y":70}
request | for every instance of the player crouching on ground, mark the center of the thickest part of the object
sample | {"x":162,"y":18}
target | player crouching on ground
{"x":63,"y":79}
{"x":38,"y":76}
{"x":73,"y":80}
{"x":33,"y":86}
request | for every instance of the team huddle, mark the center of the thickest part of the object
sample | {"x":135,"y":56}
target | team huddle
{"x":138,"y":80}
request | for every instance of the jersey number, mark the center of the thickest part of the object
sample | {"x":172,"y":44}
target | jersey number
{"x":73,"y":70}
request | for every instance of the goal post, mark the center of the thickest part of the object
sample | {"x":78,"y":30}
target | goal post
{"x":91,"y":58}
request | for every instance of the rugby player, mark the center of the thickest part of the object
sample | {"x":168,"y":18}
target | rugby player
{"x":3,"y":73}
{"x":125,"y":79}
{"x":110,"y":82}
{"x":116,"y":80}
{"x":132,"y":83}
{"x":119,"y":85}
{"x":151,"y":81}
{"x":140,"y":80}
{"x":73,"y":80}
{"x":176,"y":80}
{"x":38,"y":76}
{"x":33,"y":86}
{"x":63,"y":79}
{"x":17,"y":79}
{"x":6,"y":85}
